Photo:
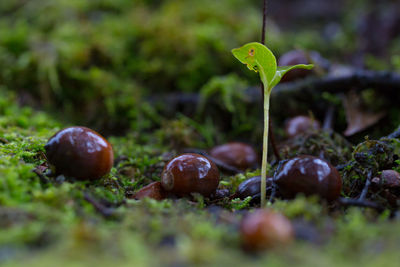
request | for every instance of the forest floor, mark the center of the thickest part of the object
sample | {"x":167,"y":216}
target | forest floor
{"x":46,"y":221}
{"x":157,"y":78}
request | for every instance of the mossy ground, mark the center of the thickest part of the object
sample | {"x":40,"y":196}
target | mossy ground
{"x":98,"y":63}
{"x":48,"y":223}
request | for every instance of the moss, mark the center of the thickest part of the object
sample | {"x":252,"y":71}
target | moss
{"x":95,"y":62}
{"x":45,"y":222}
{"x":99,"y":60}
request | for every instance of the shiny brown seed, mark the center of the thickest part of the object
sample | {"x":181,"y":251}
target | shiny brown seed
{"x":264,"y":229}
{"x":239,"y":155}
{"x":153,"y":190}
{"x":251,"y":187}
{"x":301,"y":124}
{"x":79,"y":152}
{"x":309,"y":175}
{"x":190,"y":173}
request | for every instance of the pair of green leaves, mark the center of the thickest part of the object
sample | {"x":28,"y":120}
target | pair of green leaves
{"x":260,"y":59}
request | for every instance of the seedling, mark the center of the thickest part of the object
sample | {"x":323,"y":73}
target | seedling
{"x":260,"y":59}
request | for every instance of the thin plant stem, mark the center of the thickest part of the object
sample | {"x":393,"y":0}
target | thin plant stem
{"x":271,"y":131}
{"x":265,"y":148}
{"x":264,"y":23}
{"x":265,"y":94}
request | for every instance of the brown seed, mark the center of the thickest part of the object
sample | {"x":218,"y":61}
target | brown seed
{"x":153,"y":190}
{"x":390,"y":179}
{"x":190,"y":173}
{"x":301,"y":124}
{"x":251,"y":187}
{"x":265,"y":229}
{"x":239,"y":155}
{"x":79,"y":152}
{"x":311,"y":176}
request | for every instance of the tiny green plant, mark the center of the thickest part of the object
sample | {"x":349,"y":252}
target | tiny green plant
{"x":260,"y":59}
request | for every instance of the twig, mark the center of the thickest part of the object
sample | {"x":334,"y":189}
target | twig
{"x":42,"y":178}
{"x":264,"y":22}
{"x":387,"y":82}
{"x":366,"y":186}
{"x":40,"y":170}
{"x":361,"y":79}
{"x":360,"y":203}
{"x":106,"y":212}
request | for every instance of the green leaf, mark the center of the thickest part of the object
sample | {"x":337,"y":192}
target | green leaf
{"x":258,"y":58}
{"x":283,"y":70}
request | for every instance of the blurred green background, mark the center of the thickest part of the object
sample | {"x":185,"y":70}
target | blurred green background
{"x":97,"y":62}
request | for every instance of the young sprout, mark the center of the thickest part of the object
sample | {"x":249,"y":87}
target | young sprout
{"x":260,"y":59}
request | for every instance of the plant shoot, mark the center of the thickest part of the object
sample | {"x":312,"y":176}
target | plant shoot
{"x":259,"y":58}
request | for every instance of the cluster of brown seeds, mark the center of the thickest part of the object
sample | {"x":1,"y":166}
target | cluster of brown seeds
{"x":91,"y":157}
{"x":84,"y":154}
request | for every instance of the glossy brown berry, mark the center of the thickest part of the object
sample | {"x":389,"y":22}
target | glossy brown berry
{"x":190,"y":173}
{"x":301,"y":124}
{"x":265,"y":229}
{"x":251,"y":187}
{"x":79,"y":152}
{"x":153,"y":190}
{"x":309,"y":175}
{"x":239,"y":155}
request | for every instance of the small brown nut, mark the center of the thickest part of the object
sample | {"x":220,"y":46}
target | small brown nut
{"x":251,"y":187}
{"x":80,"y":152}
{"x":264,"y":229}
{"x":239,"y":155}
{"x":311,"y":176}
{"x":300,"y":124}
{"x":190,"y":173}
